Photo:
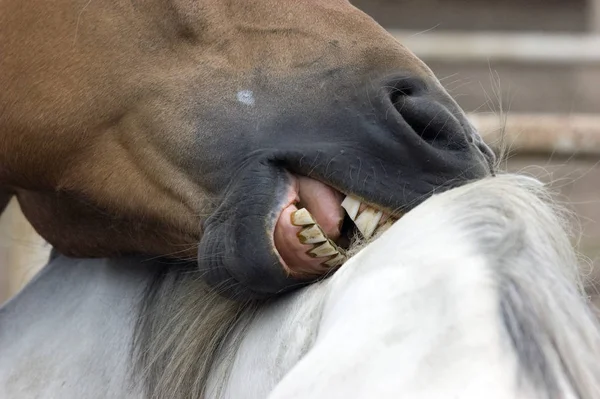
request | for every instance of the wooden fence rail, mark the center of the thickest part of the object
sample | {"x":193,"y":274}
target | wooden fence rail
{"x":569,"y":135}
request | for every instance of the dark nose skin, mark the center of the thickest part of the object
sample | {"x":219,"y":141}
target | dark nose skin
{"x":422,"y":105}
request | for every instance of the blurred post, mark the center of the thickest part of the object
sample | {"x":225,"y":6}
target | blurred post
{"x":594,"y":6}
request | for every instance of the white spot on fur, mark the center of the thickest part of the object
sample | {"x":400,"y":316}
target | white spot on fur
{"x":246,"y":97}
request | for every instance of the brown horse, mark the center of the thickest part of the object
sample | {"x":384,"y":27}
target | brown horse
{"x":196,"y":129}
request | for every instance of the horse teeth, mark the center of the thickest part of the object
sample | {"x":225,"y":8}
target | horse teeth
{"x":312,"y":235}
{"x":336,"y":260}
{"x":351,"y":205}
{"x":385,"y":226}
{"x":302,"y":217}
{"x":367,"y":221}
{"x":326,"y":249}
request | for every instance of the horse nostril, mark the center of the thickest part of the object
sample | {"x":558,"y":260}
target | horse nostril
{"x":400,"y":88}
{"x":429,"y":111}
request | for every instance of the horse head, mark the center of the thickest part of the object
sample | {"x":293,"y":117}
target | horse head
{"x":197,"y":129}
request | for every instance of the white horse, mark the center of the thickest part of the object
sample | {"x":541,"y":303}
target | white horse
{"x":473,"y":294}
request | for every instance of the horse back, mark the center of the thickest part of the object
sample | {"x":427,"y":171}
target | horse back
{"x":68,"y":333}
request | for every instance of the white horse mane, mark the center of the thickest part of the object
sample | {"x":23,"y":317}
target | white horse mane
{"x":508,"y":222}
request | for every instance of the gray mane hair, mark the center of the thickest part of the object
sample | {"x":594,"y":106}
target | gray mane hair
{"x":181,"y":327}
{"x":514,"y":224}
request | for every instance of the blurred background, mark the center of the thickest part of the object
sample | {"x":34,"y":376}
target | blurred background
{"x":525,"y":70}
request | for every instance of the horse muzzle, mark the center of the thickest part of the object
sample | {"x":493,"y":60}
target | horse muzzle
{"x":313,"y":185}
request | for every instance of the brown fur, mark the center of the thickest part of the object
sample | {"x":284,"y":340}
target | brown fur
{"x":97,"y":104}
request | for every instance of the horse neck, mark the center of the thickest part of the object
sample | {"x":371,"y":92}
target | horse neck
{"x":394,"y":306}
{"x":267,"y":343}
{"x":73,"y":322}
{"x":402,"y":318}
{"x":474,"y":294}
